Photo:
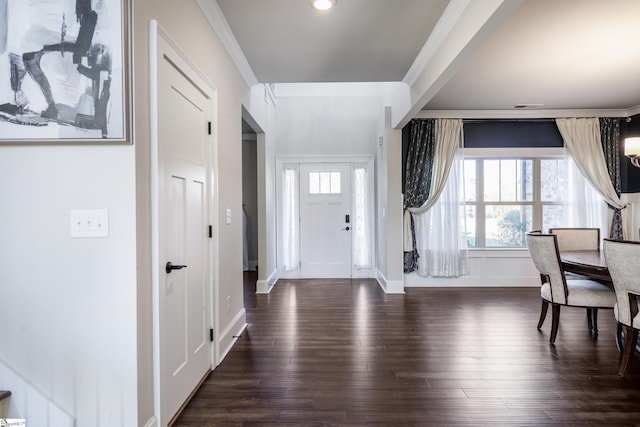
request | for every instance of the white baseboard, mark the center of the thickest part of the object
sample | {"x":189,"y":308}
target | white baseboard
{"x":153,"y":422}
{"x":390,"y":286}
{"x":265,"y":286}
{"x":231,"y":333}
{"x":412,"y":280}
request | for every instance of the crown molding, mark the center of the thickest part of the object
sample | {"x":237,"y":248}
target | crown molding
{"x":219,"y":23}
{"x":634,"y":111}
{"x":522,"y":114}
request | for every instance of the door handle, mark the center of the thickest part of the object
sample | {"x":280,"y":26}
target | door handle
{"x":170,"y":267}
{"x":346,"y":229}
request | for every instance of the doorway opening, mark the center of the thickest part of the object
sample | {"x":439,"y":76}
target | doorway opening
{"x":249,"y":206}
{"x":249,"y":198}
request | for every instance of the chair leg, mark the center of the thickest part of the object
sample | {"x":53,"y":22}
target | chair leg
{"x":619,"y":337}
{"x":543,"y":313}
{"x":592,"y":320}
{"x":630,"y":340}
{"x":555,"y":321}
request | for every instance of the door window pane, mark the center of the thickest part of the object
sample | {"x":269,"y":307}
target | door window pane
{"x":324,"y":183}
{"x":335,"y":183}
{"x":314,"y":183}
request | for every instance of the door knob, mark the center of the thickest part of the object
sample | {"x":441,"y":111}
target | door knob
{"x":170,"y":267}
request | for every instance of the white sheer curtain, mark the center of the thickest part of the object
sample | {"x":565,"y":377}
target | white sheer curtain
{"x":584,"y":206}
{"x":290,"y":216}
{"x":361,"y":218}
{"x":582,"y":139}
{"x":440,"y":231}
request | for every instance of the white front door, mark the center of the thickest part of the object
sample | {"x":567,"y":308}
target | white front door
{"x":325,"y":220}
{"x":185,"y":301}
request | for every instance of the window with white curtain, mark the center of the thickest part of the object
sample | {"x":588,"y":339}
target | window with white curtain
{"x":507,"y":197}
{"x":362,"y":220}
{"x":290,"y":218}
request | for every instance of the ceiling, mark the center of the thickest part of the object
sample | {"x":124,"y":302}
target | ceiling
{"x":547,"y":54}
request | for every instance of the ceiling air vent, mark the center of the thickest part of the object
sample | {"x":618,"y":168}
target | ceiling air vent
{"x":527,"y":106}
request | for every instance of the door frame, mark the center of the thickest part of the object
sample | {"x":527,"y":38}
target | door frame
{"x":281,"y":161}
{"x":160,"y":43}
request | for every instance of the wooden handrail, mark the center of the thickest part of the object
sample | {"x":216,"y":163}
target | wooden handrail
{"x":4,"y":394}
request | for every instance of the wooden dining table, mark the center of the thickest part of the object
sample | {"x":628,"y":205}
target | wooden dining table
{"x":589,"y":263}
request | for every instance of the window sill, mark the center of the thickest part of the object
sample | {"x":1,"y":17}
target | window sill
{"x":499,"y":253}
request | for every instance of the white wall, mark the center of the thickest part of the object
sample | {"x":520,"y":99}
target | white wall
{"x":487,"y":268}
{"x":328,"y":125}
{"x":69,"y":305}
{"x":390,"y":210}
{"x":262,"y":109}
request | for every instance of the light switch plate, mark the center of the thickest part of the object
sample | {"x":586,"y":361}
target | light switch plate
{"x":89,"y":223}
{"x":228,"y":216}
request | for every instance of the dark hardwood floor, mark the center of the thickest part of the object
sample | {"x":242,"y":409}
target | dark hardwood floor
{"x":341,"y":352}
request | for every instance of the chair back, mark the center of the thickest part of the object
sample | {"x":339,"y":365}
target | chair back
{"x":546,"y":257}
{"x":623,"y":262}
{"x":577,"y":239}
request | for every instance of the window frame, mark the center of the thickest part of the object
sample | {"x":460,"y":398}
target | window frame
{"x":534,"y":154}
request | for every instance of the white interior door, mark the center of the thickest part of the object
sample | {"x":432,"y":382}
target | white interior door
{"x":325,"y":220}
{"x":184,"y":109}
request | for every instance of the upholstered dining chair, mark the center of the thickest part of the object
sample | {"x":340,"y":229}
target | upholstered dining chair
{"x":623,"y":262}
{"x":579,"y":239}
{"x":556,"y":289}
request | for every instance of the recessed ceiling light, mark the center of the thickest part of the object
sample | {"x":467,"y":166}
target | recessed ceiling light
{"x":323,"y":4}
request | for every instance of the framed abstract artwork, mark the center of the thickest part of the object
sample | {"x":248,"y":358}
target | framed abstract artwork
{"x":64,"y":71}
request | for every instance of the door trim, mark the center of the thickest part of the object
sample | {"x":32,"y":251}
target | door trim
{"x":160,"y":41}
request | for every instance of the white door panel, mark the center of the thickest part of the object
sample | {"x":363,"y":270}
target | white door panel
{"x":184,"y":298}
{"x":325,"y":236}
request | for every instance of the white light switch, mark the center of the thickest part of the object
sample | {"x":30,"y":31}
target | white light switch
{"x":228,"y":216}
{"x":89,"y":223}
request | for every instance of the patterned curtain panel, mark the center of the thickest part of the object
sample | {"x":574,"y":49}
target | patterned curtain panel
{"x":418,"y":171}
{"x":610,"y":137}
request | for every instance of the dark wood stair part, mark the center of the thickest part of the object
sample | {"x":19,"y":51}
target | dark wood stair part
{"x":4,"y":394}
